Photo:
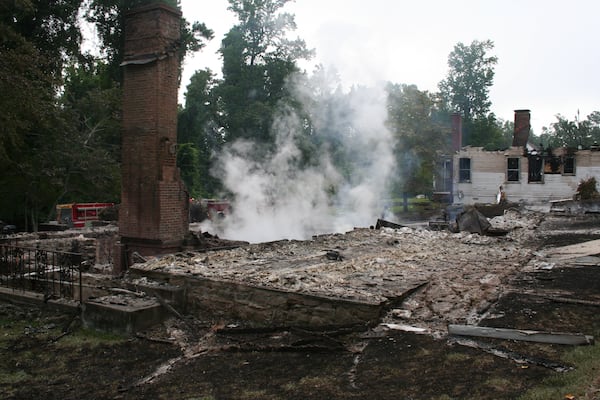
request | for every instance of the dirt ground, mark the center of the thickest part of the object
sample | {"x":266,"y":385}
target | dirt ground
{"x":47,"y":355}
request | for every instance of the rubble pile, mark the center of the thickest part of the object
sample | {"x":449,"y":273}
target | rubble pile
{"x":464,"y":272}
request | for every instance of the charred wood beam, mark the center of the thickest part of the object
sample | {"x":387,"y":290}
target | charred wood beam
{"x":387,"y":224}
{"x":521,"y":334}
{"x":281,"y":348}
{"x":154,"y":339}
{"x":511,"y":355}
{"x":568,"y":300}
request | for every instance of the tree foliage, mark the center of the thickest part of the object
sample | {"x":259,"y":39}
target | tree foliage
{"x":421,"y":132}
{"x":264,"y":31}
{"x":199,"y":135}
{"x":487,"y":132}
{"x":470,"y":76}
{"x":572,"y":133}
{"x":49,"y":26}
{"x":109,"y":15}
{"x":37,"y":39}
{"x":257,"y":60}
{"x":60,"y":109}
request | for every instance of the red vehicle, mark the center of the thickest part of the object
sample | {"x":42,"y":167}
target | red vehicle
{"x":208,"y":208}
{"x":216,"y":208}
{"x":79,"y":215}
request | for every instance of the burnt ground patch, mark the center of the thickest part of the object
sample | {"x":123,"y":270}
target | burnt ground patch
{"x":401,"y":365}
{"x":45,"y":356}
{"x":387,"y":366}
{"x":581,"y":281}
{"x":559,"y":238}
{"x":557,"y":230}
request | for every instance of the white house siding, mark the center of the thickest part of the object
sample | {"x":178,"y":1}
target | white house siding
{"x":488,"y":173}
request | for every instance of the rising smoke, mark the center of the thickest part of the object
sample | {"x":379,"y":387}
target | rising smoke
{"x":279,"y":197}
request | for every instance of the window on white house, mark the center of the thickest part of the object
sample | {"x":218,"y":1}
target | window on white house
{"x":513,"y":169}
{"x":464,"y":170}
{"x":569,"y":165}
{"x":536,"y":168}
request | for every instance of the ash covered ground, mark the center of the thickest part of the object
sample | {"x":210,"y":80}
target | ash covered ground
{"x":463,"y":273}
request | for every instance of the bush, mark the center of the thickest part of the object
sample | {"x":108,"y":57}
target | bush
{"x":587,"y":189}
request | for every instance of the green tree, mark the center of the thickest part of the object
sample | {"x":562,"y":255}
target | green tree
{"x":96,"y":99}
{"x":508,"y":130}
{"x":486,"y":132}
{"x":198,"y":135}
{"x":188,"y":162}
{"x":108,"y":17}
{"x":593,"y":124}
{"x":37,"y":39}
{"x":470,"y":75}
{"x":50,"y":26}
{"x":572,"y":133}
{"x":421,"y":132}
{"x":257,"y":60}
{"x":93,"y":103}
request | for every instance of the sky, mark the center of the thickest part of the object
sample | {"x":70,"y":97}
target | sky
{"x":548,"y":58}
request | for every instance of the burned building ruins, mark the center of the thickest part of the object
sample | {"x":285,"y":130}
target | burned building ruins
{"x":527,"y":172}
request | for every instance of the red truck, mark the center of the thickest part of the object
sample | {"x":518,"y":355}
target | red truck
{"x":79,"y":215}
{"x":208,"y":208}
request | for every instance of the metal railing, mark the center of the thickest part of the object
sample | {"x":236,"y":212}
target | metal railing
{"x":55,"y":274}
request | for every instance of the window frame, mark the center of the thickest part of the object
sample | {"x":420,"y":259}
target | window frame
{"x":464,"y":173}
{"x":513,"y":174}
{"x":573,"y":168}
{"x":535,"y":176}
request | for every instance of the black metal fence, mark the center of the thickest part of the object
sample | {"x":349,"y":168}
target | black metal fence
{"x":55,"y":274}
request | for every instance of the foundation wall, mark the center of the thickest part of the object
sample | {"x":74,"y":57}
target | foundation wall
{"x":264,"y":306}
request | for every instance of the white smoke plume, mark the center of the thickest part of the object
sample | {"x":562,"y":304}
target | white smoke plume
{"x":277,"y":199}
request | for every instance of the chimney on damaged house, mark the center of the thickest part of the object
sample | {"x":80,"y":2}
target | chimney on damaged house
{"x":522,"y":128}
{"x":456,"y":119}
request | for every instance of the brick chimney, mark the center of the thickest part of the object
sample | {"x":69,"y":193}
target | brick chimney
{"x":456,"y":119}
{"x":522,"y":127}
{"x":153,"y":216}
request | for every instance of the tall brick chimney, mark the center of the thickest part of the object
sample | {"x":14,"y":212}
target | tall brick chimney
{"x":522,"y":127}
{"x":153,"y":216}
{"x":456,"y":119}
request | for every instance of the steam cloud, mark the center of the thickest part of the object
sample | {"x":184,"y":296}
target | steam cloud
{"x":276,"y":198}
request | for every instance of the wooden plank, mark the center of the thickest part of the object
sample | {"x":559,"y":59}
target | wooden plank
{"x":521,"y":334}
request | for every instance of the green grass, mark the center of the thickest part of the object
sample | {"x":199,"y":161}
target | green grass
{"x":11,"y":378}
{"x":443,"y":397}
{"x":498,"y":383}
{"x":90,"y":338}
{"x":415,"y":205}
{"x":456,"y":357}
{"x":580,"y":382}
{"x":45,"y":332}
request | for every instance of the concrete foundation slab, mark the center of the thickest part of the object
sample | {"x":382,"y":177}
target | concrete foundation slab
{"x":122,"y":314}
